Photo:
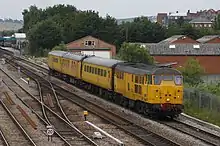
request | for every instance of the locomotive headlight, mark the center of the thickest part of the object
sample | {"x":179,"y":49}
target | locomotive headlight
{"x":156,"y":96}
{"x":168,"y":99}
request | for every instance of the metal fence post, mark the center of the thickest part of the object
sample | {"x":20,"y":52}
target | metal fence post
{"x":200,"y":100}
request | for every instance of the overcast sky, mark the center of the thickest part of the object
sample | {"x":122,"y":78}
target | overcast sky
{"x":115,"y":8}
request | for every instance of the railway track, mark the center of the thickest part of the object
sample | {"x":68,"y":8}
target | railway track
{"x":26,"y":139}
{"x":4,"y":141}
{"x":63,"y":128}
{"x":137,"y":131}
{"x":205,"y":136}
{"x":200,"y":134}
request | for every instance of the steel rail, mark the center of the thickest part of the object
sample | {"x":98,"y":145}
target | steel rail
{"x":141,"y":133}
{"x":4,"y":138}
{"x":54,"y":113}
{"x":18,"y":124}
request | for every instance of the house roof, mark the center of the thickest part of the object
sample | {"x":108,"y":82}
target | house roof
{"x":183,"y":49}
{"x":207,"y":38}
{"x":200,"y":20}
{"x":205,"y":61}
{"x":89,"y":36}
{"x":172,"y":39}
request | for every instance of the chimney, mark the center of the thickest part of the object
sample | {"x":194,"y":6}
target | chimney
{"x":188,"y":11}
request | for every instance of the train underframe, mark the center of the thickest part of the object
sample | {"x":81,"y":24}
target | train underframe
{"x":152,"y":110}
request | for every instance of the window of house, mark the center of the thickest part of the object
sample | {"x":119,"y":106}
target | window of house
{"x":89,"y":43}
{"x":205,"y":25}
{"x":210,"y":25}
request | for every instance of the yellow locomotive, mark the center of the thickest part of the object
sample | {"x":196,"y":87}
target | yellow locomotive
{"x":148,"y":89}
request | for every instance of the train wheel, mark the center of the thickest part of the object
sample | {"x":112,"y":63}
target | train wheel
{"x":138,"y":107}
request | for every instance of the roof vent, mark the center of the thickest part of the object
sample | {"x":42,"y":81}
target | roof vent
{"x":196,"y":46}
{"x":172,"y":46}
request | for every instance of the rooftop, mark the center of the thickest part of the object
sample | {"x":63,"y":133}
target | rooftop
{"x":207,"y":38}
{"x":183,"y":49}
{"x":172,"y":39}
{"x":200,"y":20}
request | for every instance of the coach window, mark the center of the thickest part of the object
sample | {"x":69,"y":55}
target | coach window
{"x":136,"y":79}
{"x":132,"y":78}
{"x":96,"y":71}
{"x":93,"y":70}
{"x":87,"y":68}
{"x":99,"y":72}
{"x":105,"y":73}
{"x":84,"y":67}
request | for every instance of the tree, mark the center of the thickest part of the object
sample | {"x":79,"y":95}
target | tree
{"x":44,"y":35}
{"x":217,"y":22}
{"x":61,"y":47}
{"x":180,"y":21}
{"x":135,"y":53}
{"x":192,"y":72}
{"x":142,"y":30}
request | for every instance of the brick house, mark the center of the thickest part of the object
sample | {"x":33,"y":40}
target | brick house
{"x":210,"y":39}
{"x":207,"y":55}
{"x":92,"y":46}
{"x":178,"y":39}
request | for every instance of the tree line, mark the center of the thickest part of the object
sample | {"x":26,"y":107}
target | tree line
{"x":47,"y":28}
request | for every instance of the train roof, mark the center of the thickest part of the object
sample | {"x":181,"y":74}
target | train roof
{"x":142,"y":69}
{"x":77,"y":57}
{"x":57,"y":53}
{"x":102,"y":61}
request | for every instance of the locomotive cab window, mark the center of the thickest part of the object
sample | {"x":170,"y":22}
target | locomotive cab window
{"x":178,"y":80}
{"x":168,"y":77}
{"x":149,"y":79}
{"x":157,"y":79}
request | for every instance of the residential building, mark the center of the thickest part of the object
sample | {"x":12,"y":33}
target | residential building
{"x":208,"y":14}
{"x":92,"y":46}
{"x":162,"y":19}
{"x":201,"y":23}
{"x":210,"y":39}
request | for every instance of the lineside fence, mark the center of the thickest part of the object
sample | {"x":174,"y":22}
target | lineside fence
{"x":201,"y":100}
